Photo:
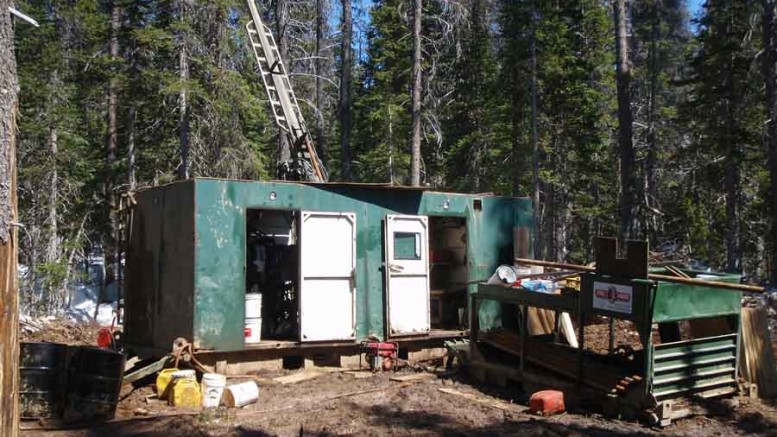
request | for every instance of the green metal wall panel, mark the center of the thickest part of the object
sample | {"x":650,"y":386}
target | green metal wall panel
{"x":679,"y":301}
{"x":220,"y":243}
{"x":159,"y":267}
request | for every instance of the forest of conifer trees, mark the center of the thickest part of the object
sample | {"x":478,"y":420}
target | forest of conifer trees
{"x":640,"y":118}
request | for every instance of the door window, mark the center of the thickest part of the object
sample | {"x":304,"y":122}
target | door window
{"x":407,"y":246}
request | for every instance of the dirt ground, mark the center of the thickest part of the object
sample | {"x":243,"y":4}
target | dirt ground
{"x":329,"y":405}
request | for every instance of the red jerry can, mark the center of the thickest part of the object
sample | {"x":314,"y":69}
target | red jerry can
{"x":547,"y":402}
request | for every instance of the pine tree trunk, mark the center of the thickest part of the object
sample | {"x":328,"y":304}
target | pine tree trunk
{"x":183,"y":106}
{"x":415,"y":151}
{"x":52,"y":245}
{"x":535,"y":175}
{"x":650,"y":161}
{"x":731,"y":184}
{"x":345,"y":90}
{"x":109,"y":245}
{"x":770,"y":75}
{"x":320,"y":126}
{"x":52,"y":250}
{"x":9,"y":294}
{"x":625,"y":145}
{"x":281,"y":23}
{"x":517,"y":91}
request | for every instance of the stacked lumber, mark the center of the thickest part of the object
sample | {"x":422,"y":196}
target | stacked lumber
{"x":541,"y":321}
{"x":757,"y":359}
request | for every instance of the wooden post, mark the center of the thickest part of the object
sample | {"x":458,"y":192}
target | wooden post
{"x":9,"y":309}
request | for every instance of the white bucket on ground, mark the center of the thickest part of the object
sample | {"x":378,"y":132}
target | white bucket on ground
{"x":242,"y":394}
{"x":253,"y":322}
{"x":212,"y":389}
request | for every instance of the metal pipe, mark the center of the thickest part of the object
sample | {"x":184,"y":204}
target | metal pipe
{"x":653,"y":276}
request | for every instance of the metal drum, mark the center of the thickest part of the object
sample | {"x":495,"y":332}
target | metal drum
{"x":42,"y":372}
{"x":93,"y":385}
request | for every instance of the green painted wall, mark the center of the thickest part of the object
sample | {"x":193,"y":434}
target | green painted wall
{"x":220,"y":207}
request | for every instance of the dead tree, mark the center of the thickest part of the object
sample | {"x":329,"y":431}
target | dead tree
{"x":183,"y":107}
{"x":415,"y":155}
{"x":320,"y":126}
{"x":625,"y":120}
{"x":9,"y":295}
{"x":344,"y":106}
{"x":281,"y":24}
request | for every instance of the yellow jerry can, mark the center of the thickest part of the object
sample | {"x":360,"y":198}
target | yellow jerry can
{"x":163,"y":380}
{"x":186,"y":393}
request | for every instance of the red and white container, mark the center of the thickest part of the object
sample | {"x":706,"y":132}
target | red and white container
{"x":253,"y":321}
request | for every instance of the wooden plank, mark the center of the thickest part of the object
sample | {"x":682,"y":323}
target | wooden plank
{"x":568,"y":329}
{"x":483,"y":400}
{"x":541,"y":322}
{"x":297,"y":377}
{"x":145,"y":371}
{"x":360,"y":374}
{"x":677,"y":271}
{"x":413,"y":377}
{"x":759,"y":364}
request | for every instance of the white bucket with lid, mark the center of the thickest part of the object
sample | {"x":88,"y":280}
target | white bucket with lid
{"x":212,"y":388}
{"x":239,"y":395}
{"x":253,"y":321}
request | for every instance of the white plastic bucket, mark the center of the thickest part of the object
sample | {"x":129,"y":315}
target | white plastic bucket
{"x":253,"y":331}
{"x":212,"y":388}
{"x":242,"y":394}
{"x":253,"y":321}
{"x":253,"y":305}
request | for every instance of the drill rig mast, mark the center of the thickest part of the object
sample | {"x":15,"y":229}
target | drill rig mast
{"x":305,"y":163}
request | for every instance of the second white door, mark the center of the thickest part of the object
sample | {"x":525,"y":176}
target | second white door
{"x":407,"y":274}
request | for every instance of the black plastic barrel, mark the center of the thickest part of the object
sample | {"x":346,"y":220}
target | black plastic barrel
{"x":42,"y":373}
{"x":93,"y":384}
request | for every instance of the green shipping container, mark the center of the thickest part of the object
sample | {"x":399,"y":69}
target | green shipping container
{"x":315,"y":256}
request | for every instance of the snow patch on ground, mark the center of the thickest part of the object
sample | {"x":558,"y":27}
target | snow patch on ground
{"x":83,"y":304}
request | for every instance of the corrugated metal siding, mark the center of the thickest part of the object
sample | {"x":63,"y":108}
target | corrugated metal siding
{"x":686,"y":367}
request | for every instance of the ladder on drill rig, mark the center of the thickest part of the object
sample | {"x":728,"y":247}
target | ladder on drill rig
{"x":305,"y":163}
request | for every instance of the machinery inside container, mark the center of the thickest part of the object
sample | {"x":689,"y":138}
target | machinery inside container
{"x":272,"y":270}
{"x":448,"y":272}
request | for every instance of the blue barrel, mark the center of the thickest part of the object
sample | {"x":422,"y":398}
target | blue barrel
{"x":42,"y":373}
{"x":93,"y":384}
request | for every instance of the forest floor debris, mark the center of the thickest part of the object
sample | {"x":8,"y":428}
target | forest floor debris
{"x":58,"y":330}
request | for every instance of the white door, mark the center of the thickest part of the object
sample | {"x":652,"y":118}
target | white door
{"x":327,"y":275}
{"x":407,"y":274}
